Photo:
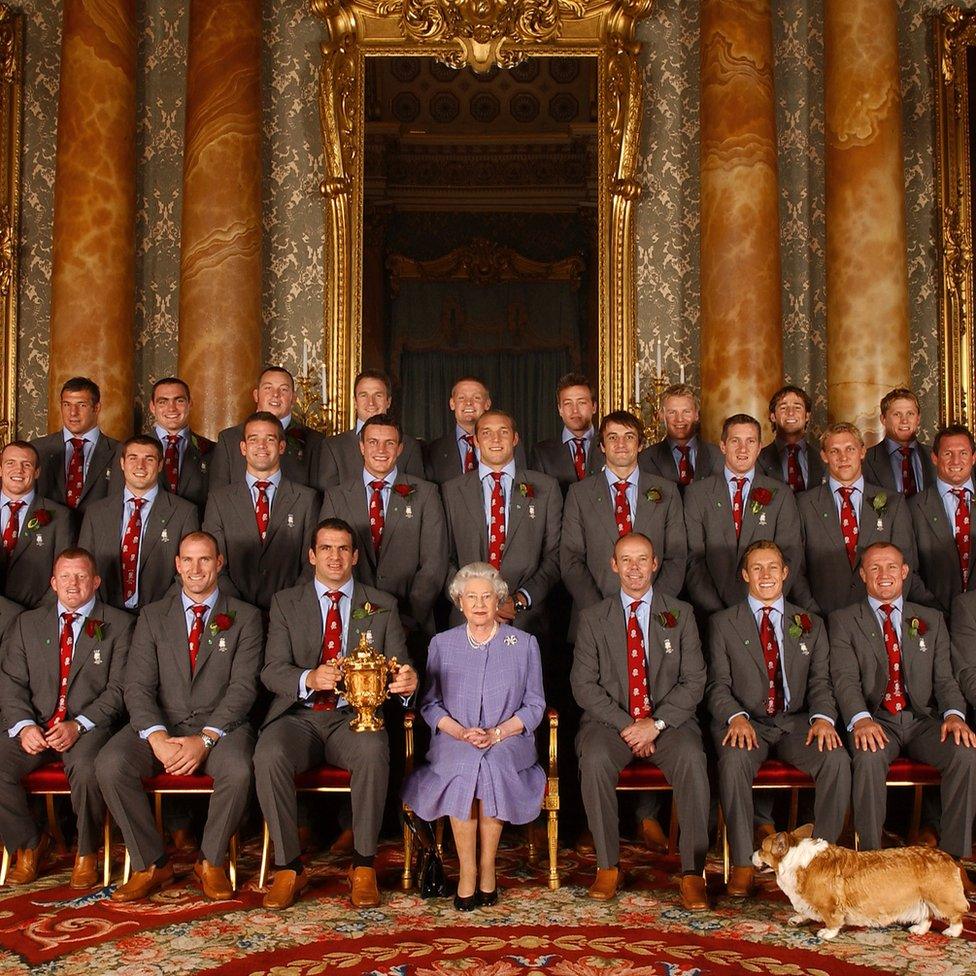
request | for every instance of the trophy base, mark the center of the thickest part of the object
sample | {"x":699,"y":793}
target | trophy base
{"x":366,"y":723}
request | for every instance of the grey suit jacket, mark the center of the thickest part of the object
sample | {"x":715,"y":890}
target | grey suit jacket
{"x":938,"y":559}
{"x":442,"y":460}
{"x":877,"y":466}
{"x":301,"y":462}
{"x":833,"y":583}
{"x":412,"y":562}
{"x":341,"y":460}
{"x":675,"y":676}
{"x":770,"y":463}
{"x":28,"y":569}
{"x":30,"y":675}
{"x":738,"y":680}
{"x":9,"y":612}
{"x":256,"y":570}
{"x":658,"y":459}
{"x":159,"y":686}
{"x":169,"y":519}
{"x":962,"y":630}
{"x":98,"y":481}
{"x":714,"y":552}
{"x":553,"y":457}
{"x":590,"y":533}
{"x":295,"y":638}
{"x":530,"y":559}
{"x":194,"y":483}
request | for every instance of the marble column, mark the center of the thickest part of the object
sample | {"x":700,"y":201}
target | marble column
{"x":867,"y":273}
{"x":93,"y":272}
{"x":220,"y":259}
{"x":741,"y":334}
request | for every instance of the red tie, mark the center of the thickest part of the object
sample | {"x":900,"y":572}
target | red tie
{"x":794,"y":474}
{"x":686,"y":473}
{"x":848,"y":524}
{"x":12,"y":531}
{"x":737,"y":505}
{"x":76,"y":472}
{"x":579,"y":458}
{"x":963,"y":538}
{"x":908,"y":485}
{"x":638,"y":695}
{"x":325,"y":701}
{"x":776,"y":697}
{"x":496,"y":524}
{"x":470,"y":462}
{"x":376,"y":521}
{"x":129,"y":556}
{"x":621,"y":509}
{"x":262,"y":510}
{"x":196,"y":633}
{"x":171,"y":462}
{"x":894,"y":699}
{"x":66,"y":649}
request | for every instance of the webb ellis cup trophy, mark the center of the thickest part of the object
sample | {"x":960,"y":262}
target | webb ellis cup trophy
{"x":365,"y":674}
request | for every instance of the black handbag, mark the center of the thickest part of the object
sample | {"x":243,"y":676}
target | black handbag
{"x":429,"y":873}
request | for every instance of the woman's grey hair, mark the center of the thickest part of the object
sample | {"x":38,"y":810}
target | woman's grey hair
{"x":483,"y":571}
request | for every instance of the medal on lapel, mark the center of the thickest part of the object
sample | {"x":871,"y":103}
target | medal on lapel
{"x":97,"y":655}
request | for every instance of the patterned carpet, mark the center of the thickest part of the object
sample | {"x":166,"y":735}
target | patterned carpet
{"x":531,"y":930}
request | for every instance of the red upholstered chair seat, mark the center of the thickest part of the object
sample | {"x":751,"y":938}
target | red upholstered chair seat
{"x":642,"y":776}
{"x":905,"y":770}
{"x":165,"y":783}
{"x":774,"y":772}
{"x":324,"y":777}
{"x":47,"y":779}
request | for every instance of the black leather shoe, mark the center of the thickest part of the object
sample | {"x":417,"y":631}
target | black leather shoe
{"x":487,"y":898}
{"x":468,"y":904}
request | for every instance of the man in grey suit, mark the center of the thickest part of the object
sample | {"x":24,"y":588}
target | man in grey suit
{"x":33,"y":529}
{"x":574,"y":455}
{"x":9,"y":612}
{"x":77,"y":462}
{"x":262,"y":521}
{"x":942,"y":518}
{"x":681,"y":455}
{"x":301,"y":460}
{"x":191,"y":680}
{"x":725,"y":513}
{"x":842,"y":517}
{"x":791,"y":457}
{"x":135,"y":536}
{"x":899,"y":462}
{"x":769,"y":694}
{"x":399,"y":523}
{"x":892,"y":675}
{"x":341,"y":459}
{"x":312,"y":625}
{"x":508,"y":516}
{"x":60,"y":694}
{"x":638,"y":674}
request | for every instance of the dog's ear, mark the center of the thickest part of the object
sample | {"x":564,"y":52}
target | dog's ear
{"x":779,"y":844}
{"x":803,"y":833}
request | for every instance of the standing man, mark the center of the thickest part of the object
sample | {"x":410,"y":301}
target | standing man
{"x":638,"y":675}
{"x":33,"y":529}
{"x":61,"y":696}
{"x":312,"y":626}
{"x":135,"y":536}
{"x":191,"y":680}
{"x":575,"y":455}
{"x":769,"y":694}
{"x":262,"y":521}
{"x":791,"y":457}
{"x":899,"y":462}
{"x":681,"y":455}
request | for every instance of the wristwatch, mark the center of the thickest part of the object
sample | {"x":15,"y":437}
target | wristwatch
{"x":208,"y":741}
{"x":81,"y":728}
{"x":660,"y":724}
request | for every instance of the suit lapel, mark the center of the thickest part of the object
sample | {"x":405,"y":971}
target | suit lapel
{"x":159,"y":516}
{"x":394,"y":514}
{"x":935,"y":515}
{"x":212,"y":636}
{"x":824,"y":505}
{"x":354,"y":494}
{"x":793,"y":653}
{"x":25,"y":537}
{"x":615,"y":635}
{"x":871,"y":629}
{"x":722,"y":502}
{"x":473,"y":494}
{"x":178,"y":636}
{"x":243,"y":508}
{"x":744,"y":625}
{"x":100,"y":459}
{"x":281,"y":508}
{"x":517,"y":506}
{"x":911,"y":652}
{"x":84,"y":646}
{"x":602,"y":503}
{"x":59,"y":460}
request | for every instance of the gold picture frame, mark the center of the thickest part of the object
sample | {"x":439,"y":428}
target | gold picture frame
{"x":479,"y":33}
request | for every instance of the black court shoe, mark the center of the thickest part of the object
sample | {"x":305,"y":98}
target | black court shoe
{"x":487,"y":898}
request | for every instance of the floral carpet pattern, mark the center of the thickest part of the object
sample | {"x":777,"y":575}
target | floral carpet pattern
{"x":48,"y":929}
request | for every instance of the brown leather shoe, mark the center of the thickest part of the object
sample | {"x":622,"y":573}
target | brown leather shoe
{"x":213,"y":878}
{"x":85,"y":873}
{"x":741,"y":882}
{"x":343,"y":844}
{"x":653,"y":836}
{"x":363,"y":891}
{"x":926,"y":837}
{"x":608,"y":882}
{"x":142,"y":884}
{"x":288,"y":885}
{"x":183,"y":840}
{"x":584,"y":843}
{"x":692,"y":891}
{"x":29,"y":862}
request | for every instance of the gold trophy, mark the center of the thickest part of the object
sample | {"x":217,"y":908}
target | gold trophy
{"x":365,"y":673}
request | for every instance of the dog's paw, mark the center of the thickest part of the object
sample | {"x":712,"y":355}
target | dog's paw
{"x":827,"y":933}
{"x":920,"y":928}
{"x":953,"y":931}
{"x":796,"y":919}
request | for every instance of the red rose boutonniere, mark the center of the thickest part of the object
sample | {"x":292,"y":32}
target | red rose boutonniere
{"x":653,"y":495}
{"x":404,"y":490}
{"x":917,"y":627}
{"x":221,"y":622}
{"x":201,"y":445}
{"x":39,"y":519}
{"x":667,"y":619}
{"x":526,"y":490}
{"x":95,"y":628}
{"x":759,"y":498}
{"x":367,"y":610}
{"x":295,"y":440}
{"x":800,"y":625}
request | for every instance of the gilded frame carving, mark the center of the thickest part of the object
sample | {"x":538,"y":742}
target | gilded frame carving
{"x":480,"y":33}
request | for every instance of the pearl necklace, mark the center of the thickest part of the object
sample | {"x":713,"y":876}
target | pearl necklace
{"x":475,"y":645}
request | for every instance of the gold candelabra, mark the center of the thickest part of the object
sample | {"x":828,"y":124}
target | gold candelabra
{"x":645,"y":403}
{"x":311,"y":396}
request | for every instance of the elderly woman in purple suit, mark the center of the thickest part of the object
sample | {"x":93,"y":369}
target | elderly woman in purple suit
{"x":483,"y":702}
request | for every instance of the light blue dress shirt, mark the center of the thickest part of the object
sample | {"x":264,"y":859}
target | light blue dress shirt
{"x":389,"y":482}
{"x":569,"y":437}
{"x":90,"y":438}
{"x":730,"y":477}
{"x":488,"y":484}
{"x":801,"y":460}
{"x":632,"y":482}
{"x":462,"y":445}
{"x":184,"y":439}
{"x":949,"y":501}
{"x":692,"y":446}
{"x":857,"y":495}
{"x":272,"y":490}
{"x":894,"y":457}
{"x":28,"y":500}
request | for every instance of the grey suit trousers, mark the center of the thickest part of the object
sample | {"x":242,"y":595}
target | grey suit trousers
{"x":127,"y":759}
{"x":301,"y":739}
{"x":17,"y":827}
{"x":678,"y":754}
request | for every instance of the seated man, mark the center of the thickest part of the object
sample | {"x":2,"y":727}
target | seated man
{"x":893,"y":680}
{"x":191,"y":680}
{"x":639,"y":676}
{"x":769,"y":694}
{"x":312,"y":625}
{"x":60,"y":695}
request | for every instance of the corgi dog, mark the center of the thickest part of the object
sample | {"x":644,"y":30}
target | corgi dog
{"x":836,"y":886}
